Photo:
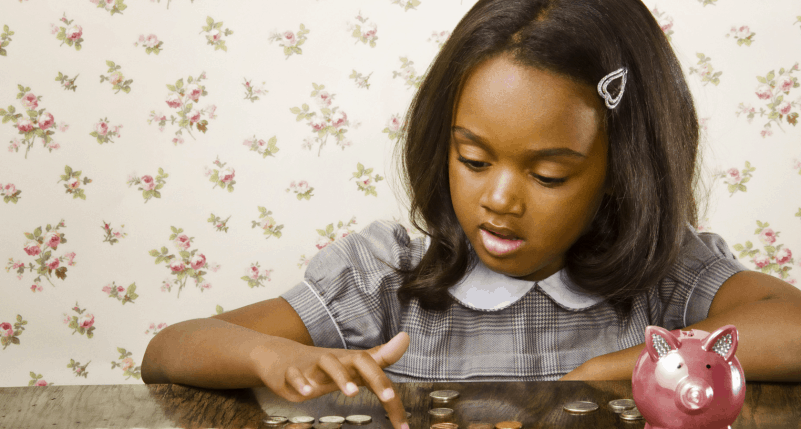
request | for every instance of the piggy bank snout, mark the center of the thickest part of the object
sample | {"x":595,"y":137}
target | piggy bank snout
{"x":693,"y":395}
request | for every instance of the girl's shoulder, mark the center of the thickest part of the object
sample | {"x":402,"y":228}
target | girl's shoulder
{"x":381,"y":240}
{"x":702,"y":250}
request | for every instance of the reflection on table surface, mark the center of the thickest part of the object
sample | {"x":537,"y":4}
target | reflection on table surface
{"x":534,"y":404}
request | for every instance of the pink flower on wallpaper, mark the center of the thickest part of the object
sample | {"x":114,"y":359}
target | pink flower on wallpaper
{"x":32,"y":248}
{"x":394,"y":124}
{"x":182,"y":242}
{"x":783,"y":256}
{"x":116,"y":77}
{"x":764,"y":92}
{"x":767,"y":236}
{"x":324,"y":99}
{"x":766,"y":132}
{"x":177,"y":140}
{"x":761,"y":261}
{"x":253,"y":272}
{"x":227,"y":176}
{"x":41,"y":383}
{"x":30,"y":101}
{"x":6,"y":329}
{"x":194,"y":116}
{"x":174,"y":101}
{"x":52,"y":239}
{"x":339,"y":118}
{"x":74,"y":32}
{"x":784,"y":83}
{"x":9,"y":190}
{"x":73,"y":183}
{"x":53,"y":264}
{"x":198,"y":261}
{"x":148,"y":183}
{"x":70,"y":258}
{"x":784,"y":108}
{"x":289,"y":39}
{"x":215,"y":35}
{"x":36,"y":288}
{"x":25,"y":125}
{"x":46,"y":121}
{"x":177,"y":266}
{"x":127,"y":363}
{"x":322,"y":242}
{"x":107,"y":289}
{"x":317,"y":123}
{"x":53,"y":28}
{"x":150,"y":41}
{"x":102,"y":128}
{"x":86,"y":321}
{"x":193,"y":91}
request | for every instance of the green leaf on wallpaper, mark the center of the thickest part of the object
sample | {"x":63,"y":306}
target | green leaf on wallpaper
{"x":154,"y":252}
{"x":179,"y":83}
{"x":37,"y":232}
{"x":209,"y":20}
{"x":171,"y":88}
{"x":110,"y":63}
{"x":771,"y":75}
{"x":218,"y":25}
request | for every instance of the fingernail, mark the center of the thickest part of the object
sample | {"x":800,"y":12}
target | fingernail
{"x":388,"y":394}
{"x":351,"y":388}
{"x":306,"y":389}
{"x":405,"y":426}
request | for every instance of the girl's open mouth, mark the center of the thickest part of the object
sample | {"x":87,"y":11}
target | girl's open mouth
{"x":498,"y":244}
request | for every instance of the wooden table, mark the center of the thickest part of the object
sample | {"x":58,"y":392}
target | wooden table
{"x":535,"y":404}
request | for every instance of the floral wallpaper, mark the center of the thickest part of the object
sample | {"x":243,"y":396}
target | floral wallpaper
{"x":173,"y":159}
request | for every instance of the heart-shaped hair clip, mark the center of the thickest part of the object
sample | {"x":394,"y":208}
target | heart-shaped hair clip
{"x":612,"y":102}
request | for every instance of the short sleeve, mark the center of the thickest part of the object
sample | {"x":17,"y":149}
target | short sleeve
{"x":347,"y":298}
{"x":705,"y":264}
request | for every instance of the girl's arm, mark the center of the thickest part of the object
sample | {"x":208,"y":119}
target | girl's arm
{"x":767,"y":314}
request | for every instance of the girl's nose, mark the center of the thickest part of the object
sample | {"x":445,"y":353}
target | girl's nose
{"x":502,"y":194}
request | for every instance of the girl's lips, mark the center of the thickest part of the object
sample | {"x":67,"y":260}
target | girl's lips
{"x":498,"y":246}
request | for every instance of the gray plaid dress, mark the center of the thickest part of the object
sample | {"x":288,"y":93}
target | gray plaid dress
{"x":499,"y":328}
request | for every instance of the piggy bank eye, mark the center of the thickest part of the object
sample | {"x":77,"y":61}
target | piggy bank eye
{"x":678,"y":366}
{"x":708,"y":366}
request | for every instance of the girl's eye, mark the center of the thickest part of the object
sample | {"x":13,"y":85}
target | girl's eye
{"x":471,"y":164}
{"x":476,"y":165}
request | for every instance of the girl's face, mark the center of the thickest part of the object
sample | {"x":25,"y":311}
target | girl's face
{"x":527,"y":160}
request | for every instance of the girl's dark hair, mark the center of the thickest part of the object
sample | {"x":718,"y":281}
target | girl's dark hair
{"x":653,"y":136}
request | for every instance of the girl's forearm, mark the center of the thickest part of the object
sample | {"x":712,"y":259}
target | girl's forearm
{"x":768,"y":350}
{"x":207,"y":353}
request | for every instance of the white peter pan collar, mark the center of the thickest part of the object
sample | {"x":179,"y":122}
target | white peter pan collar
{"x":484,"y":289}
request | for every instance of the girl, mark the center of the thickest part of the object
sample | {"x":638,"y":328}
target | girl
{"x":550,"y":160}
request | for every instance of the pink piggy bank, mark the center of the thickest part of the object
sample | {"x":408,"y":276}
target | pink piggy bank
{"x":689,"y":379}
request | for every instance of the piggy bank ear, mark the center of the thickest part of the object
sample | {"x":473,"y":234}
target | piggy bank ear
{"x":723,"y":342}
{"x":659,"y":341}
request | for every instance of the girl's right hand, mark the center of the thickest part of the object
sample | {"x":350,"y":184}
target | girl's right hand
{"x":297,"y":372}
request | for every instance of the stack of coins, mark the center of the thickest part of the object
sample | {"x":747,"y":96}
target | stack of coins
{"x":440,"y":415}
{"x":444,"y":426}
{"x":580,"y":407}
{"x":275,"y":421}
{"x":510,"y":424}
{"x":626,"y":408}
{"x":358,"y":419}
{"x":443,"y":398}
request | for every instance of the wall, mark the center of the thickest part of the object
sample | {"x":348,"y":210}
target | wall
{"x":243,"y":184}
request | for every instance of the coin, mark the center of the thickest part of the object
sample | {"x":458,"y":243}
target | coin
{"x":631,"y":415}
{"x":358,"y":419}
{"x":299,"y":426}
{"x":447,"y":395}
{"x":332,"y":419}
{"x":301,"y":419}
{"x":408,"y":415}
{"x":329,"y":425}
{"x":580,"y":407}
{"x":275,"y":420}
{"x":441,"y":412}
{"x":620,"y":405}
{"x":511,"y":424}
{"x":479,"y":425}
{"x":444,"y":426}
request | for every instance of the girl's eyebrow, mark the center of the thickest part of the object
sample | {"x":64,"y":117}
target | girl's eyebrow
{"x":539,"y":153}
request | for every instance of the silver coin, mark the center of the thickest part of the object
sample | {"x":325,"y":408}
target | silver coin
{"x":332,"y":419}
{"x":358,"y":419}
{"x":631,"y":415}
{"x":620,"y":405}
{"x":275,"y":420}
{"x":329,"y":425}
{"x":445,"y":395}
{"x":408,"y":415}
{"x":580,"y":407}
{"x":441,"y":412}
{"x":301,"y":419}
